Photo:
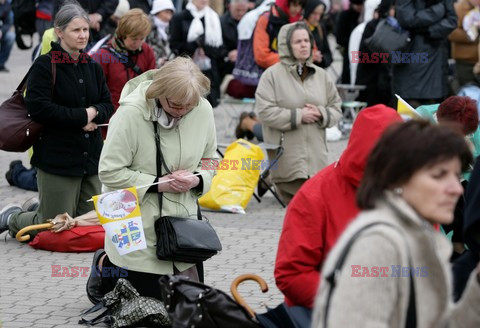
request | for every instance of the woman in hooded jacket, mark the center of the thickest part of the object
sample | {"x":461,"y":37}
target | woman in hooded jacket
{"x":296,"y":102}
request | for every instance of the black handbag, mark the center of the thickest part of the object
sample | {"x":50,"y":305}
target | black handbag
{"x":18,"y":131}
{"x":182,"y":239}
{"x":388,"y":38}
{"x":193,"y":304}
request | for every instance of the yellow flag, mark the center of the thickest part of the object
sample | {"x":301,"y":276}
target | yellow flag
{"x":405,"y":110}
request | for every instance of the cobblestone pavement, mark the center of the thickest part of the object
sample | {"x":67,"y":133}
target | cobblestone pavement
{"x":31,"y":297}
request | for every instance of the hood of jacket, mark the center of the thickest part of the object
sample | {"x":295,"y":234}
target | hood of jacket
{"x":367,"y":129}
{"x":133,"y":93}
{"x":284,"y":48}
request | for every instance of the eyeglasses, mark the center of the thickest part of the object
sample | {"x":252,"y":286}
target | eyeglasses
{"x":175,"y":106}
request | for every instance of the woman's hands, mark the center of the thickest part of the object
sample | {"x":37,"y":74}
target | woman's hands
{"x":91,"y":113}
{"x":310,"y":114}
{"x":182,"y":181}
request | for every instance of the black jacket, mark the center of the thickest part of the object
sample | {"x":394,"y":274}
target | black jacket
{"x":64,"y":148}
{"x":179,"y":26}
{"x":321,"y":42}
{"x":429,"y":26}
{"x":230,"y":42}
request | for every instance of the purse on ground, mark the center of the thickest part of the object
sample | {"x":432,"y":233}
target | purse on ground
{"x":388,"y":38}
{"x":18,"y":131}
{"x":193,"y":304}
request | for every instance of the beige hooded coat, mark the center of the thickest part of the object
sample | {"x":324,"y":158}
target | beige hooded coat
{"x":280,"y":97}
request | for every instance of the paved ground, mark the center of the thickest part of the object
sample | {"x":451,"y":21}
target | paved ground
{"x":31,"y":297}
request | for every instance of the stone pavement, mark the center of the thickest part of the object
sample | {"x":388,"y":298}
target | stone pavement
{"x":31,"y":297}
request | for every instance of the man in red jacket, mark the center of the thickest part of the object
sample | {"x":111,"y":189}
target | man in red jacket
{"x":323,"y":208}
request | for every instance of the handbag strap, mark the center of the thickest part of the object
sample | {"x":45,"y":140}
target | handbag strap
{"x":23,"y":84}
{"x":411,"y":320}
{"x":161,"y":162}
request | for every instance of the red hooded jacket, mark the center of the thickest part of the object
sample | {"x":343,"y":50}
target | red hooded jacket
{"x":322,"y":209}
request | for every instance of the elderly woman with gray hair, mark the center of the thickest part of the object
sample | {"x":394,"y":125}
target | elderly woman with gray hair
{"x":67,"y":94}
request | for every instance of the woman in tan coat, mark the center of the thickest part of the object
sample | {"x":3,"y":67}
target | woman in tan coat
{"x":296,"y":102}
{"x":396,"y":273}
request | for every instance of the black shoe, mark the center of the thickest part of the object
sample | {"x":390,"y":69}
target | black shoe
{"x":94,"y":282}
{"x":3,"y":69}
{"x":5,"y":214}
{"x":261,"y":188}
{"x":239,"y":132}
{"x":8,"y":175}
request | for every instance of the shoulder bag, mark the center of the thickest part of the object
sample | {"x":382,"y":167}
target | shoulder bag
{"x":182,"y":239}
{"x":388,"y":38}
{"x":18,"y":131}
{"x":331,"y":278}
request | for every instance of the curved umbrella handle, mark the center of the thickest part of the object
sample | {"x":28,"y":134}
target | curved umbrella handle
{"x":23,"y":231}
{"x":236,"y":295}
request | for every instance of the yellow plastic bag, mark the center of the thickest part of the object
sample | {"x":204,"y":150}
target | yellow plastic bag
{"x":236,"y":179}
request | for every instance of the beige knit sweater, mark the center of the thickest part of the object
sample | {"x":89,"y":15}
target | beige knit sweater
{"x":382,"y":301}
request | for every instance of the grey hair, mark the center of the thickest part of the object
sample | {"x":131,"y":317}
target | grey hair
{"x":238,"y":1}
{"x":67,"y":13}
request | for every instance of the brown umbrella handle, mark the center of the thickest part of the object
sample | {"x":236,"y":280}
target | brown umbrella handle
{"x":236,"y":295}
{"x":23,"y":231}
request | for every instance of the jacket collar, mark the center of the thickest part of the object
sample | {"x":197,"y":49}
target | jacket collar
{"x":404,"y":211}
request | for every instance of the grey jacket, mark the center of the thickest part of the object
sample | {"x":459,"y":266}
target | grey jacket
{"x":382,"y":301}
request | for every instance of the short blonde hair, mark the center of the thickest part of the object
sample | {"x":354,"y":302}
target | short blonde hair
{"x":134,"y":23}
{"x":181,"y":81}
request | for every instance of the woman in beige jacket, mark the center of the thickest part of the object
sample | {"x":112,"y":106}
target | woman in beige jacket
{"x":296,"y":102}
{"x":396,"y":273}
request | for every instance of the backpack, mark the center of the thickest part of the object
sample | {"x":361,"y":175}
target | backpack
{"x":246,"y":69}
{"x":24,"y":17}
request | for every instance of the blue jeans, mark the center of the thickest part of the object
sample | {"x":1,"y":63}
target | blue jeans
{"x":24,"y":178}
{"x":6,"y":45}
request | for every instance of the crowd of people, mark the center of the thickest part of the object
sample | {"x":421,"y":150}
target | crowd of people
{"x":154,"y":78}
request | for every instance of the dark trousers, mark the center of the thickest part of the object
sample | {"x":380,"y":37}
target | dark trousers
{"x":146,"y":284}
{"x":24,"y":178}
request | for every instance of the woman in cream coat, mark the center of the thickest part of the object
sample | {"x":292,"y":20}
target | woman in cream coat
{"x":296,"y":102}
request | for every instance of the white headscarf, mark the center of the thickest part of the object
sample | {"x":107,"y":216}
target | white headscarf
{"x":213,"y":29}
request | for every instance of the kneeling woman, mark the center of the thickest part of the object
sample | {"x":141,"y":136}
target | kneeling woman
{"x":397,"y":272}
{"x":169,"y":102}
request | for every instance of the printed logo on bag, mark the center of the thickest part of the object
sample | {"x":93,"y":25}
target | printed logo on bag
{"x":393,"y":57}
{"x":394,"y":271}
{"x":119,"y":213}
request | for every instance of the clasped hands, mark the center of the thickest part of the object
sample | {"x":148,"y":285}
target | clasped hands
{"x":91,"y":113}
{"x":310,"y":114}
{"x":182,"y":181}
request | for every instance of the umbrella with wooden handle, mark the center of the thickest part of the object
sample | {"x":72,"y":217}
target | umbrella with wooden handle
{"x":236,"y":295}
{"x":282,"y":316}
{"x":20,"y":235}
